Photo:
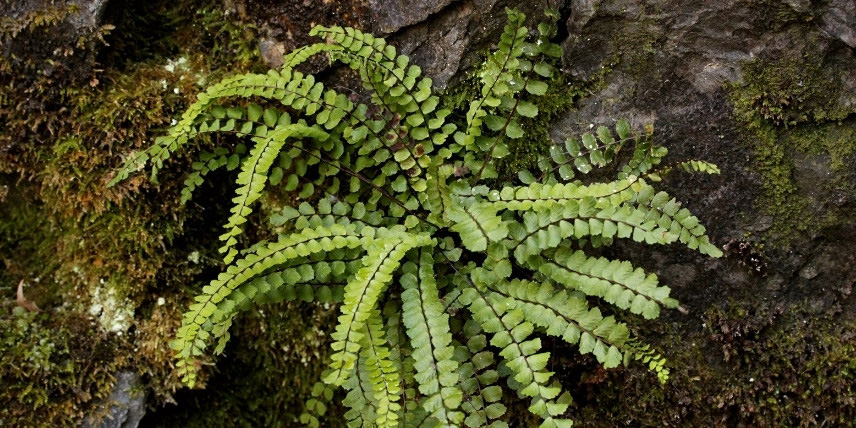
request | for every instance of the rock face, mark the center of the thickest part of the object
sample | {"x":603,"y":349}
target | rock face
{"x":75,"y":22}
{"x":124,"y":408}
{"x":449,"y":41}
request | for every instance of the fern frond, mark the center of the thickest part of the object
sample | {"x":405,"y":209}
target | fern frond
{"x":317,"y":405}
{"x":399,"y":90}
{"x":510,"y":331}
{"x":361,"y":295}
{"x":208,"y":161}
{"x":646,"y":155}
{"x":253,"y":176}
{"x":595,"y":151}
{"x":381,"y":371}
{"x":191,"y":338}
{"x":393,"y":216}
{"x":614,"y":281}
{"x":360,"y":399}
{"x":482,"y":397}
{"x":591,"y":218}
{"x":537,"y":196}
{"x":428,"y":329}
{"x":691,"y":166}
{"x":327,"y":213}
{"x":666,"y":212}
{"x":505,"y":75}
{"x":569,"y":318}
{"x":291,"y":88}
{"x":477,"y":224}
{"x":300,"y":55}
{"x":645,"y":354}
{"x":402,"y":359}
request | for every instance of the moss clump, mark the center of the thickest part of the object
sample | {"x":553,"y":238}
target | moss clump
{"x":270,"y":365}
{"x":746,"y":363}
{"x":792,"y":116}
{"x":69,"y":108}
{"x":55,"y":366}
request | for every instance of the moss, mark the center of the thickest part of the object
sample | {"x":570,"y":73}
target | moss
{"x":78,"y":246}
{"x":746,"y":363}
{"x":791,"y":115}
{"x":270,"y":365}
{"x":55,"y":366}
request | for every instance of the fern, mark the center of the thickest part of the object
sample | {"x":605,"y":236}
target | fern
{"x":444,"y":284}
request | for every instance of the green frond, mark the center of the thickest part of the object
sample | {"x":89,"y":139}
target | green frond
{"x":560,"y":314}
{"x":510,"y":332}
{"x":303,"y":53}
{"x":429,"y":332}
{"x":482,"y":397}
{"x":381,"y":372}
{"x":443,"y":283}
{"x":614,"y":281}
{"x":597,"y":220}
{"x":412,"y":125}
{"x":507,"y":80}
{"x":665,"y":211}
{"x":646,"y":155}
{"x":646,"y":355}
{"x":208,"y":161}
{"x":537,"y":196}
{"x":591,"y":151}
{"x":691,"y":166}
{"x":477,"y":224}
{"x":361,"y":296}
{"x":191,"y":338}
{"x":253,"y":176}
{"x":437,"y":196}
{"x":291,"y":88}
{"x":360,"y":400}
{"x":317,"y":405}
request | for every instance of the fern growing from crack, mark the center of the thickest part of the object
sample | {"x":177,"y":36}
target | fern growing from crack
{"x":400,"y":230}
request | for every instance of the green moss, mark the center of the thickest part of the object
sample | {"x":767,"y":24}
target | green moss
{"x":746,"y":363}
{"x":72,"y":240}
{"x":270,"y":365}
{"x":55,"y":366}
{"x":790,"y":112}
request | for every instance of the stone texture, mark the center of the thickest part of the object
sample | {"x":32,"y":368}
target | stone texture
{"x":839,"y":21}
{"x":124,"y":408}
{"x":450,"y":40}
{"x":670,"y":63}
{"x":676,"y":63}
{"x":392,"y":15}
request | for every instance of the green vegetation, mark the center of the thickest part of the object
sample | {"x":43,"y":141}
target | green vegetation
{"x":78,"y":247}
{"x":441,"y":281}
{"x":791,"y":112}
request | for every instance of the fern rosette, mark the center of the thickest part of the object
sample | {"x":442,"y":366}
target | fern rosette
{"x":406,"y":225}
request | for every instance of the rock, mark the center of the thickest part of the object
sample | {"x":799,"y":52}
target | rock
{"x":272,"y":52}
{"x":124,"y":408}
{"x":392,"y":15}
{"x":581,"y":12}
{"x":89,"y":14}
{"x":450,"y":41}
{"x":443,"y":37}
{"x":65,"y":47}
{"x":838,"y":19}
